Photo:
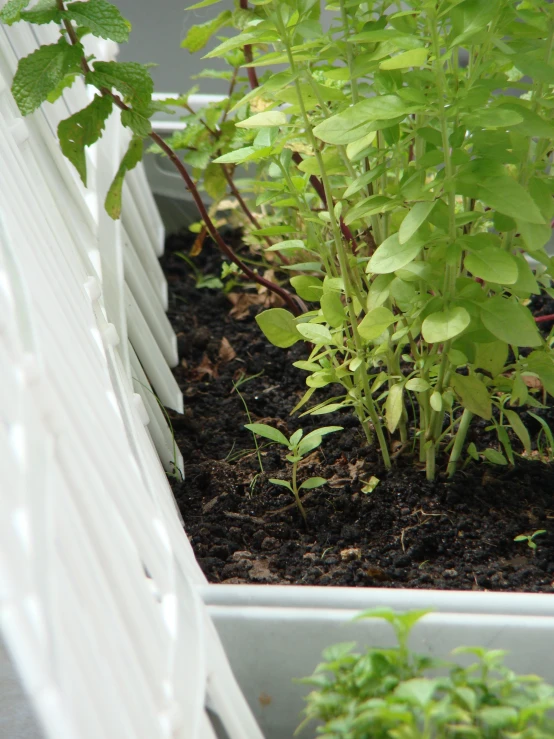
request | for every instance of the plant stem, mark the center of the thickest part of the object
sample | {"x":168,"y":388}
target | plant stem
{"x":461,"y":435}
{"x":296,"y":493}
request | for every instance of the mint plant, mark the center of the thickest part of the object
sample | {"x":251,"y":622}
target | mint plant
{"x":410,"y":189}
{"x":298,"y":446}
{"x":45,"y":73}
{"x":388,"y":692}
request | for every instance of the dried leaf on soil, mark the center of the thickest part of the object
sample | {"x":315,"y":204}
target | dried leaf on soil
{"x":226,"y":351}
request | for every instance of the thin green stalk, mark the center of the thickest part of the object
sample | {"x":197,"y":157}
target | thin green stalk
{"x":296,"y":493}
{"x":461,"y":435}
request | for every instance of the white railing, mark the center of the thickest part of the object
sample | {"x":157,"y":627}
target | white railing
{"x":98,"y":606}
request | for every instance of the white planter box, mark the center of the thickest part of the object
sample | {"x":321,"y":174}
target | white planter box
{"x":273,"y":634}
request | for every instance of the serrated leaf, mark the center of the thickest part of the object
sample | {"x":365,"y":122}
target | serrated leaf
{"x":279,"y":326}
{"x":83,"y":129}
{"x":132,"y":157}
{"x":392,"y":255}
{"x":473,"y":394}
{"x":414,"y":220}
{"x":394,"y":406}
{"x":444,"y":325}
{"x":375,"y":322}
{"x":45,"y":11}
{"x":411,"y":58}
{"x":42,"y":71}
{"x":313,"y":482}
{"x":199,"y":34}
{"x":131,"y":79}
{"x":67,"y":81}
{"x":492,"y":264}
{"x":315,"y":333}
{"x":138,"y":123}
{"x":11,"y":10}
{"x":102,"y":19}
{"x":510,"y":322}
{"x":267,"y":118}
{"x":267,"y":432}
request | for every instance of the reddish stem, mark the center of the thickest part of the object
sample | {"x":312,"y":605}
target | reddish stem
{"x":248,"y":56}
{"x":544,"y":319}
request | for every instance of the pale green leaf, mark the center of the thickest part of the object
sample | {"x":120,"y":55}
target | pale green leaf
{"x":235,"y":157}
{"x":102,"y":19}
{"x":510,"y":322}
{"x":10,"y":12}
{"x":202,"y":4}
{"x":392,"y":255}
{"x":491,"y":356}
{"x":411,"y":58}
{"x":130,"y":160}
{"x":267,"y":118}
{"x":313,"y":482}
{"x":333,"y":309}
{"x":199,"y":34}
{"x":394,"y":406}
{"x":281,"y":483}
{"x":418,"y":691}
{"x":414,"y":220}
{"x":268,"y":432}
{"x":307,"y":287}
{"x":375,"y":322}
{"x":492,"y":264}
{"x":81,"y":130}
{"x":444,"y":325}
{"x":534,"y":235}
{"x":279,"y":327}
{"x":417,"y":385}
{"x":519,"y":428}
{"x":509,"y":197}
{"x":315,"y":333}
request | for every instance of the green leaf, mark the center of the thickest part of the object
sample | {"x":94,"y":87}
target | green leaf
{"x":131,"y":79}
{"x":392,"y":255}
{"x":394,"y":406}
{"x":307,"y":287}
{"x":491,"y":357}
{"x":542,"y":364}
{"x":315,"y":333}
{"x":267,"y":118}
{"x":281,"y":483}
{"x":333,"y":309}
{"x":235,"y":157}
{"x":313,"y":482}
{"x":412,"y":58}
{"x":199,"y":35}
{"x":414,"y":220}
{"x":138,"y":123}
{"x":203,"y":4}
{"x":42,"y":71}
{"x":375,"y":322}
{"x":45,"y":11}
{"x":495,"y":457}
{"x":279,"y":326}
{"x":102,"y":19}
{"x":473,"y":394}
{"x":519,"y":429}
{"x":357,"y":121}
{"x":11,"y":10}
{"x":417,"y":385}
{"x":312,"y":440}
{"x":498,"y":717}
{"x":534,"y":235}
{"x":475,"y":16}
{"x":508,"y":197}
{"x":215,"y":183}
{"x":436,"y":401}
{"x":444,"y":325}
{"x":295,"y":438}
{"x":492,"y":264}
{"x":83,"y":129}
{"x":130,"y":160}
{"x":419,"y":690}
{"x":510,"y":321}
{"x":493,"y":118}
{"x":268,"y":432}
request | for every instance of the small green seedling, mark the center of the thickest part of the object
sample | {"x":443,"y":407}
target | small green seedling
{"x":298,"y":446}
{"x":530,"y":538}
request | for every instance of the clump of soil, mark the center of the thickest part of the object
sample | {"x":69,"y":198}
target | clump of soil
{"x":407,"y":533}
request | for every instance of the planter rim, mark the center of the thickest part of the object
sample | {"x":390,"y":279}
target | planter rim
{"x":450,"y":601}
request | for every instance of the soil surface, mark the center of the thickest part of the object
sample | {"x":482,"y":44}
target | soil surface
{"x":449,"y":534}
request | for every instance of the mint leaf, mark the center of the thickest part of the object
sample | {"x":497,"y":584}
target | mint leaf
{"x":132,"y":157}
{"x":131,"y":79}
{"x":199,"y":35}
{"x":10,"y":13}
{"x":83,"y":129}
{"x":45,"y":11}
{"x":42,"y":71}
{"x":138,"y":123}
{"x":102,"y":19}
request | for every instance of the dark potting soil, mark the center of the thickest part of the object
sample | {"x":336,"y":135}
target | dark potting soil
{"x":448,"y":534}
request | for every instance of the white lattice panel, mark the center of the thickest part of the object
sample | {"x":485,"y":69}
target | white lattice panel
{"x":98,"y":603}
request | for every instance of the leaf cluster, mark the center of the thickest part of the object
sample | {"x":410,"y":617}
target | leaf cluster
{"x":395,"y":693}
